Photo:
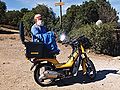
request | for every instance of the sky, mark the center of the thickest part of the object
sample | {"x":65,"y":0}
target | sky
{"x":18,"y":4}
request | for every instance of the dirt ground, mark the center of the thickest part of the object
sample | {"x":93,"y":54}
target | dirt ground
{"x":15,"y":71}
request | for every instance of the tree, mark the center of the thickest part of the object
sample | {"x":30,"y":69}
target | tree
{"x":28,"y":22}
{"x":89,"y":11}
{"x":13,"y":17}
{"x":3,"y":8}
{"x":24,"y":11}
{"x":106,"y":12}
{"x":70,"y":18}
{"x":77,"y":15}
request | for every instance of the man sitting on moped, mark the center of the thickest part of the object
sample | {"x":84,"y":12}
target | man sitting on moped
{"x":39,"y":33}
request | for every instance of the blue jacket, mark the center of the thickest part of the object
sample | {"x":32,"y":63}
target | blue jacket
{"x":48,"y":38}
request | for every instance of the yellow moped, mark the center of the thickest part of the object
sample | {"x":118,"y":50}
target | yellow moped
{"x":48,"y":69}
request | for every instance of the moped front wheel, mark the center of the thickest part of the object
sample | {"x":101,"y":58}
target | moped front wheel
{"x":39,"y":75}
{"x":90,"y":69}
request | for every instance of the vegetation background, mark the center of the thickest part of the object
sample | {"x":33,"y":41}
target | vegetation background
{"x":78,"y":20}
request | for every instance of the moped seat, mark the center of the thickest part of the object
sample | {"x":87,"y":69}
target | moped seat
{"x":55,"y":52}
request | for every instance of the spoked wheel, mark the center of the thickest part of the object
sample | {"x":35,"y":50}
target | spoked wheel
{"x":91,"y":71}
{"x":39,"y":75}
{"x":88,"y":69}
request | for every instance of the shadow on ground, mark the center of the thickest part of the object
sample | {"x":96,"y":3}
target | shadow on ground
{"x":100,"y":75}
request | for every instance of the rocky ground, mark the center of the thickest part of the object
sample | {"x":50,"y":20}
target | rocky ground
{"x":15,"y":71}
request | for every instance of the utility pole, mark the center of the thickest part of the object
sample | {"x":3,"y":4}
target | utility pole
{"x":60,"y":4}
{"x":60,"y":15}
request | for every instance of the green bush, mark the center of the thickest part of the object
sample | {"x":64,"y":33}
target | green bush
{"x":102,"y":38}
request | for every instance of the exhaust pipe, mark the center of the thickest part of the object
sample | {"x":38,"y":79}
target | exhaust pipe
{"x":52,"y":74}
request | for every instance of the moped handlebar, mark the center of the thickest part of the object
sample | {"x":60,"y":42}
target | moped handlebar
{"x":77,"y":41}
{"x":73,"y":41}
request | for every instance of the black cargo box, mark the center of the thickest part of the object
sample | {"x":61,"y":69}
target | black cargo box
{"x":34,"y":49}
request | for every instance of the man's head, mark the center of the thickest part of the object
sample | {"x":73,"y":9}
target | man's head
{"x":38,"y":19}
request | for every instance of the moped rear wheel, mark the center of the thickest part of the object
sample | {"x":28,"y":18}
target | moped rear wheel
{"x":39,"y":76}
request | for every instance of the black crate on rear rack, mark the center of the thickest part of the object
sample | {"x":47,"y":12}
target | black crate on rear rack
{"x":34,"y":49}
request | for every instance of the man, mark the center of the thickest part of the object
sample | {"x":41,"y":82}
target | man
{"x":39,"y":33}
{"x":37,"y":29}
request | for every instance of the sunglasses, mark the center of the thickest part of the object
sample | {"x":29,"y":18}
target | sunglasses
{"x":40,"y":18}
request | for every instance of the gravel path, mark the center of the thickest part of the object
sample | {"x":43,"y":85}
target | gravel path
{"x":15,"y":71}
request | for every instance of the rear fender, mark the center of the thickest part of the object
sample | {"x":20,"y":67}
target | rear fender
{"x":40,"y":63}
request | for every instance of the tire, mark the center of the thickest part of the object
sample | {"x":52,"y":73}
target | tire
{"x":75,"y":67}
{"x":91,"y":71}
{"x":38,"y":72}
